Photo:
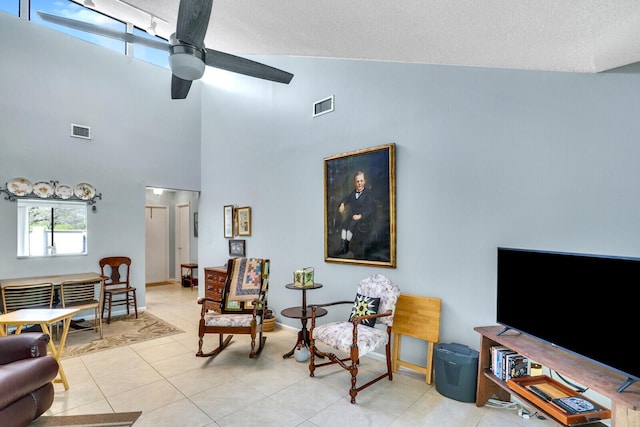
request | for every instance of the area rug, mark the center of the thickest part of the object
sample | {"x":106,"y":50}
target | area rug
{"x":94,"y":420}
{"x":123,"y":330}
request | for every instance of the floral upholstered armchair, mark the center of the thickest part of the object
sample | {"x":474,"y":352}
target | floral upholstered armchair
{"x":353,"y":338}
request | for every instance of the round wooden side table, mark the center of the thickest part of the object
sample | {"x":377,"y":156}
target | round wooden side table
{"x":301,"y":312}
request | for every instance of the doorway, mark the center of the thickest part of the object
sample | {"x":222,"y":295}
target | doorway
{"x":156,"y":244}
{"x":179,"y":234}
{"x":183,"y":215}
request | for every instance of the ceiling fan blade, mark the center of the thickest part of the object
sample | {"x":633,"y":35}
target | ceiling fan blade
{"x":103,"y":31}
{"x":179,"y":87}
{"x":193,"y":19}
{"x":237,"y":64}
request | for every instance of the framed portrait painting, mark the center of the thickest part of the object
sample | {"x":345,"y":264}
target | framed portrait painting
{"x":360,"y":207}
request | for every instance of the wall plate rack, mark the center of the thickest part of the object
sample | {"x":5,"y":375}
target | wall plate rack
{"x":21,"y":188}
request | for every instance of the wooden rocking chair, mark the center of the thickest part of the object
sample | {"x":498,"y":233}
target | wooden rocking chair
{"x":242,"y":306}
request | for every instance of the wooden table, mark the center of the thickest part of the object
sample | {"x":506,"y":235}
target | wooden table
{"x":302,"y":314}
{"x":188,"y":277}
{"x":45,"y":317}
{"x":418,"y":317}
{"x":56,"y":279}
{"x":625,"y":406}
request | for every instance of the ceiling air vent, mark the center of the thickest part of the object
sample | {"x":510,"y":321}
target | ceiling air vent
{"x":80,"y":131}
{"x":323,"y":106}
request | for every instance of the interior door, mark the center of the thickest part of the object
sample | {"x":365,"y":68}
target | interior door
{"x":157,"y":244}
{"x":183,"y":214}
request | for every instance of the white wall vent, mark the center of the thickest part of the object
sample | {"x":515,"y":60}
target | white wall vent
{"x":80,"y":131}
{"x":323,"y":106}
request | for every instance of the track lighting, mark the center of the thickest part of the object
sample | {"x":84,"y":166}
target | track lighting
{"x":152,"y":26}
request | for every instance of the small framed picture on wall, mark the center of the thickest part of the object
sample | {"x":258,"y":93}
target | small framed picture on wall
{"x":244,"y":221}
{"x":228,"y":221}
{"x":237,"y":248}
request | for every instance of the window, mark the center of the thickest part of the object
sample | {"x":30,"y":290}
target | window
{"x":10,"y":7}
{"x":147,"y":54}
{"x":72,"y":10}
{"x":50,"y":228}
{"x":79,"y":13}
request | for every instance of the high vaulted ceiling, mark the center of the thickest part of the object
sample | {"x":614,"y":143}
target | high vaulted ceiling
{"x":556,"y":35}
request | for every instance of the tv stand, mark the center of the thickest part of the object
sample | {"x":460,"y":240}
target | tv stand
{"x":625,"y":407}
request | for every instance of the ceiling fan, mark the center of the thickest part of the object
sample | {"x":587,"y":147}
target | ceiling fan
{"x":187,"y":53}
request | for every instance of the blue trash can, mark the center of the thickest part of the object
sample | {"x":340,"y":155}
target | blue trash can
{"x":456,"y":371}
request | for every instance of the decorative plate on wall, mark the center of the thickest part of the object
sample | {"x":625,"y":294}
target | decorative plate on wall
{"x":64,"y":191}
{"x":19,"y":186}
{"x":84,"y":191}
{"x":43,"y":189}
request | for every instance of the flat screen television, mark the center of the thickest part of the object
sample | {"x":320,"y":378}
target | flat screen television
{"x":581,"y":303}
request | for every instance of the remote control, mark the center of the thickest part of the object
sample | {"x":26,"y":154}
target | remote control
{"x":541,"y":394}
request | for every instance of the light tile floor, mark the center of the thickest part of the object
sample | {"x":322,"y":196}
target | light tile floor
{"x":164,"y":379}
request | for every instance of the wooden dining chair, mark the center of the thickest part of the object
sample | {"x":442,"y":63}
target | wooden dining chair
{"x":85,"y":296}
{"x":36,"y":295}
{"x":16,"y":297}
{"x":117,"y":286}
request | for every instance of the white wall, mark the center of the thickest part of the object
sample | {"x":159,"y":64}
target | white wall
{"x":49,"y":80}
{"x":485,"y":158}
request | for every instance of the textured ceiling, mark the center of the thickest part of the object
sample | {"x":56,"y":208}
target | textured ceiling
{"x":556,"y":35}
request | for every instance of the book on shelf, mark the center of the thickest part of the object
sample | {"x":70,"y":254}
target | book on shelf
{"x":507,"y":363}
{"x":494,"y":358}
{"x":516,"y":366}
{"x":503,"y":363}
{"x":498,"y":360}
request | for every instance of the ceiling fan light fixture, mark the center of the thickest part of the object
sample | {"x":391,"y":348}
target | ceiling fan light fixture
{"x":186,"y":62}
{"x":188,"y":56}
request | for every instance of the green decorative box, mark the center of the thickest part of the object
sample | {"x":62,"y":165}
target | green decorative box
{"x":303,"y":278}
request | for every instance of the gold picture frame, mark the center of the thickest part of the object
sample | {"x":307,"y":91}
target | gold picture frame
{"x":243,"y":216}
{"x":228,"y":218}
{"x":360,"y":227}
